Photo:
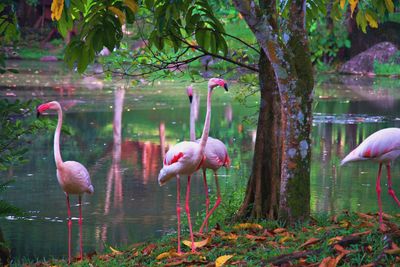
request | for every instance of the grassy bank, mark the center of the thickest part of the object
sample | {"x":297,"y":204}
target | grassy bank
{"x":348,"y":239}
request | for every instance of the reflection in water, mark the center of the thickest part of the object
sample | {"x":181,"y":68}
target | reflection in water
{"x":114,"y":177}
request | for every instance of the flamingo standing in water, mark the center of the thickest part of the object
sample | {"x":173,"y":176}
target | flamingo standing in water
{"x":216,"y":157}
{"x":383,"y":147}
{"x":187,"y":157}
{"x":72,"y":176}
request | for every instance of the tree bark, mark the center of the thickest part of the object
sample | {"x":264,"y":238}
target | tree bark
{"x":293,"y":77}
{"x":262,"y":193}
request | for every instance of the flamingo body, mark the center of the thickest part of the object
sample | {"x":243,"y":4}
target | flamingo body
{"x":74,"y":178}
{"x":216,"y":154}
{"x":184,"y":159}
{"x":383,"y":147}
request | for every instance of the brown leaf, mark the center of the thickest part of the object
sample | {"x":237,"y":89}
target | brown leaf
{"x":230,"y":236}
{"x":168,"y":254}
{"x":328,"y":262}
{"x":149,"y":249}
{"x":115,"y":251}
{"x":393,"y":251}
{"x":362,"y":233}
{"x":242,"y":226}
{"x":335,"y":239}
{"x":279,"y":230}
{"x":256,"y":238}
{"x":386,"y":216}
{"x":310,"y":242}
{"x":365,"y":216}
{"x":341,"y":249}
{"x":268,"y":233}
{"x":344,"y":224}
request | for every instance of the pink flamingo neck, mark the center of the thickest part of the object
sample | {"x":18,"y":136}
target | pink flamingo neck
{"x":206,"y":129}
{"x":192,"y":120}
{"x":57,"y":153}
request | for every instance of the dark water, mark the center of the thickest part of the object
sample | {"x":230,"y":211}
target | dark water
{"x":116,"y":130}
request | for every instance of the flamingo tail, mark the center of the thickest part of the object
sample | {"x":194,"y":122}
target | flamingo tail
{"x":351,"y":158}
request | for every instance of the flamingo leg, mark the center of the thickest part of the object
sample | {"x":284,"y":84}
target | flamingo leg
{"x":80,"y":226}
{"x":69,"y":229}
{"x":207,"y":197}
{"x":378,"y":192}
{"x":187,"y":206}
{"x":216,"y":203}
{"x":390,"y":189}
{"x":178,"y":211}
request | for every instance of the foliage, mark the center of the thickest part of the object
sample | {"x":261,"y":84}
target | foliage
{"x":392,"y":67}
{"x":370,"y":12}
{"x":16,"y":131}
{"x":8,"y":30}
{"x":325,"y":42}
{"x":15,"y":134}
{"x":344,"y":239}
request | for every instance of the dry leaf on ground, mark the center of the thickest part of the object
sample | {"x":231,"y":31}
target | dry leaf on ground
{"x":220,"y":261}
{"x":198,"y":244}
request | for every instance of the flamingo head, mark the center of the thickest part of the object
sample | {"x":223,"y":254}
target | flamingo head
{"x":189,"y":91}
{"x":214,"y":82}
{"x":50,"y":105}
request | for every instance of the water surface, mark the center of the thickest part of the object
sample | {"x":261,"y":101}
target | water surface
{"x":116,"y":131}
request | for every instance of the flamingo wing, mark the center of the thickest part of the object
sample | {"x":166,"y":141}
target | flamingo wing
{"x":79,"y":178}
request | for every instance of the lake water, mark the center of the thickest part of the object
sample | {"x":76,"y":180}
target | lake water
{"x":116,"y":129}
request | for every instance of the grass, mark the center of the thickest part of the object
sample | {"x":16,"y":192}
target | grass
{"x":347,"y":239}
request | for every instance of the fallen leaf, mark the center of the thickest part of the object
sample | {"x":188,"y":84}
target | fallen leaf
{"x":198,"y":244}
{"x":114,"y":251}
{"x":365,"y":216}
{"x":279,"y":230}
{"x":393,"y":251}
{"x":230,"y":236}
{"x":362,"y":233}
{"x":310,"y":242}
{"x":149,"y":249}
{"x":341,"y":249}
{"x":284,"y":239}
{"x":242,"y":226}
{"x":335,"y":239}
{"x":386,"y":216}
{"x":220,"y":261}
{"x":328,"y":262}
{"x":344,"y":224}
{"x":256,"y":238}
{"x":168,"y":254}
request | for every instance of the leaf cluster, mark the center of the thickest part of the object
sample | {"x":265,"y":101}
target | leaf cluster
{"x":16,"y":131}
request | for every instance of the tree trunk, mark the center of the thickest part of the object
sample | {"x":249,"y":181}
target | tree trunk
{"x":296,"y":104}
{"x":262,"y":194}
{"x":293,"y":76}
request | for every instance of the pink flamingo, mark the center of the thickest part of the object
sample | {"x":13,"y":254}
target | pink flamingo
{"x":216,"y":157}
{"x":187,"y":157}
{"x":383,"y":147}
{"x":72,"y":176}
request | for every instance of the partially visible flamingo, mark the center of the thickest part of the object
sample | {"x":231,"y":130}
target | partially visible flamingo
{"x":72,"y":176}
{"x":383,"y":147}
{"x":216,"y":157}
{"x":187,"y":157}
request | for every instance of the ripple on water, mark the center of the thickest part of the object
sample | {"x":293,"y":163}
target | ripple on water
{"x":320,"y":118}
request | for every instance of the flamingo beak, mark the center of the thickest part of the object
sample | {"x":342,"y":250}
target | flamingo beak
{"x":190,"y":99}
{"x":226,"y":87}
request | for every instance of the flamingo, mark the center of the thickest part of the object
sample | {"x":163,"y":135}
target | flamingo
{"x":216,"y":157}
{"x":187,"y":157}
{"x":72,"y":176}
{"x":383,"y":147}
